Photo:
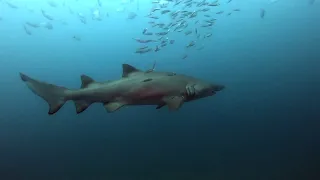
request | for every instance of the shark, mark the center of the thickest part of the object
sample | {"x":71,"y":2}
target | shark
{"x":135,"y":87}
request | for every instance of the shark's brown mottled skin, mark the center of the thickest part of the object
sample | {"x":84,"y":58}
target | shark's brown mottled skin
{"x":136,"y":87}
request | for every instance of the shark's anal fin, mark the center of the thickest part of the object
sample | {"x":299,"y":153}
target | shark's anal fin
{"x":113,"y":106}
{"x":128,"y":69}
{"x":86,"y":80}
{"x":81,"y":106}
{"x":174,"y":102}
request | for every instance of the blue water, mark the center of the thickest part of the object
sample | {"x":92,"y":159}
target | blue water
{"x":263,"y":126}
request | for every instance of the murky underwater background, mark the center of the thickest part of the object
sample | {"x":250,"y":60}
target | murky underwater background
{"x":263,"y":126}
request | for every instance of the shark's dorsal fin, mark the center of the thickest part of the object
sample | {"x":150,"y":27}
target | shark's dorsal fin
{"x":86,"y":80}
{"x":128,"y":69}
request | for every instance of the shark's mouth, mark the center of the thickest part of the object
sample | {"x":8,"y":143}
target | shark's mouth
{"x":218,"y":88}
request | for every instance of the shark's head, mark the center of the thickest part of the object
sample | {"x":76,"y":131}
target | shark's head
{"x":204,"y":89}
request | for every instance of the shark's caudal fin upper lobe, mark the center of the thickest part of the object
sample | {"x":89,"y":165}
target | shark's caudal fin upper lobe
{"x":54,"y":95}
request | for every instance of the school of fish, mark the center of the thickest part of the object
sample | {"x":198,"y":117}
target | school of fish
{"x":194,"y":19}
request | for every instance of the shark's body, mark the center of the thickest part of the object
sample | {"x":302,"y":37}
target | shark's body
{"x":134,"y":88}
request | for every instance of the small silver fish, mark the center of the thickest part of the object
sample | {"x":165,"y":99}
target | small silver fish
{"x":11,"y":5}
{"x":184,"y":56}
{"x":311,"y":2}
{"x":52,"y":4}
{"x":34,"y":25}
{"x":47,"y":25}
{"x":262,"y":13}
{"x":26,"y":30}
{"x":77,"y":38}
{"x":46,"y":15}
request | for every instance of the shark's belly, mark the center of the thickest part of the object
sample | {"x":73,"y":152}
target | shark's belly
{"x":146,"y":102}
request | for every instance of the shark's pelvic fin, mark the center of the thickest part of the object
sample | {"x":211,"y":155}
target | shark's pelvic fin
{"x":81,"y":106}
{"x":160,"y":106}
{"x":113,"y":106}
{"x":54,"y":95}
{"x":146,"y":80}
{"x":86,"y":81}
{"x":128,"y":69}
{"x":174,"y":102}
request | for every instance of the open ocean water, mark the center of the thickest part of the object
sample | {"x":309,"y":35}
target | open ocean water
{"x":263,"y":126}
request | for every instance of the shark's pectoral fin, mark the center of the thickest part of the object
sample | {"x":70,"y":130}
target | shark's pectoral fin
{"x":174,"y":102}
{"x":86,"y":80}
{"x":113,"y":106}
{"x":81,"y":106}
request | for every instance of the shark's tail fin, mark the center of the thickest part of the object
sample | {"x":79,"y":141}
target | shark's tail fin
{"x":54,"y":95}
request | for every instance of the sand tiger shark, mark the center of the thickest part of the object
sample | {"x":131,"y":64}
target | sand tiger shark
{"x":136,"y":87}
